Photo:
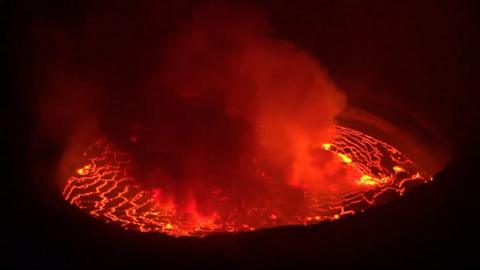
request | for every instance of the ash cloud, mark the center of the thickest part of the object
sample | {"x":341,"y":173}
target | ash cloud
{"x":217,"y":106}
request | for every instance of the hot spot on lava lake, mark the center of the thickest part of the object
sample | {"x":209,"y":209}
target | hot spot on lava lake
{"x":104,"y":188}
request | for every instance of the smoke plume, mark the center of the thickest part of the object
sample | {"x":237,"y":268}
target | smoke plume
{"x":219,"y":105}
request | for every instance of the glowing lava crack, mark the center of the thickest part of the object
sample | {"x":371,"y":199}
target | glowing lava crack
{"x":105,"y":190}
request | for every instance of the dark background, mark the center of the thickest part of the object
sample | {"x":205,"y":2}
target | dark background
{"x":423,"y":55}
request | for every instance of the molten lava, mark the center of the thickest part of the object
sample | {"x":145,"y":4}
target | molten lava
{"x":105,"y":188}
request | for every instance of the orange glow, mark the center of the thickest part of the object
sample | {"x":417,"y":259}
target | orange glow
{"x":84,"y":170}
{"x":398,"y":169}
{"x":367,"y":180}
{"x":326,"y":146}
{"x":345,"y":158}
{"x":371,"y":181}
{"x":104,"y":189}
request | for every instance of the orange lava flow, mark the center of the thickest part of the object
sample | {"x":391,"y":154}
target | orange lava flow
{"x":103,"y":188}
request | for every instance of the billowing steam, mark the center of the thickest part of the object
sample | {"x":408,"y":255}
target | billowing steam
{"x":220,"y":106}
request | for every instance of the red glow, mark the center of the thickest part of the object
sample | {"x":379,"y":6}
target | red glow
{"x":220,"y":125}
{"x":104,"y":188}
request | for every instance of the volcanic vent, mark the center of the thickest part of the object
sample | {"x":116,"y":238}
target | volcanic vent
{"x":225,"y":128}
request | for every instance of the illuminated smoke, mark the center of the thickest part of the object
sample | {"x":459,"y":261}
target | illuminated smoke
{"x":224,"y":106}
{"x":244,"y":103}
